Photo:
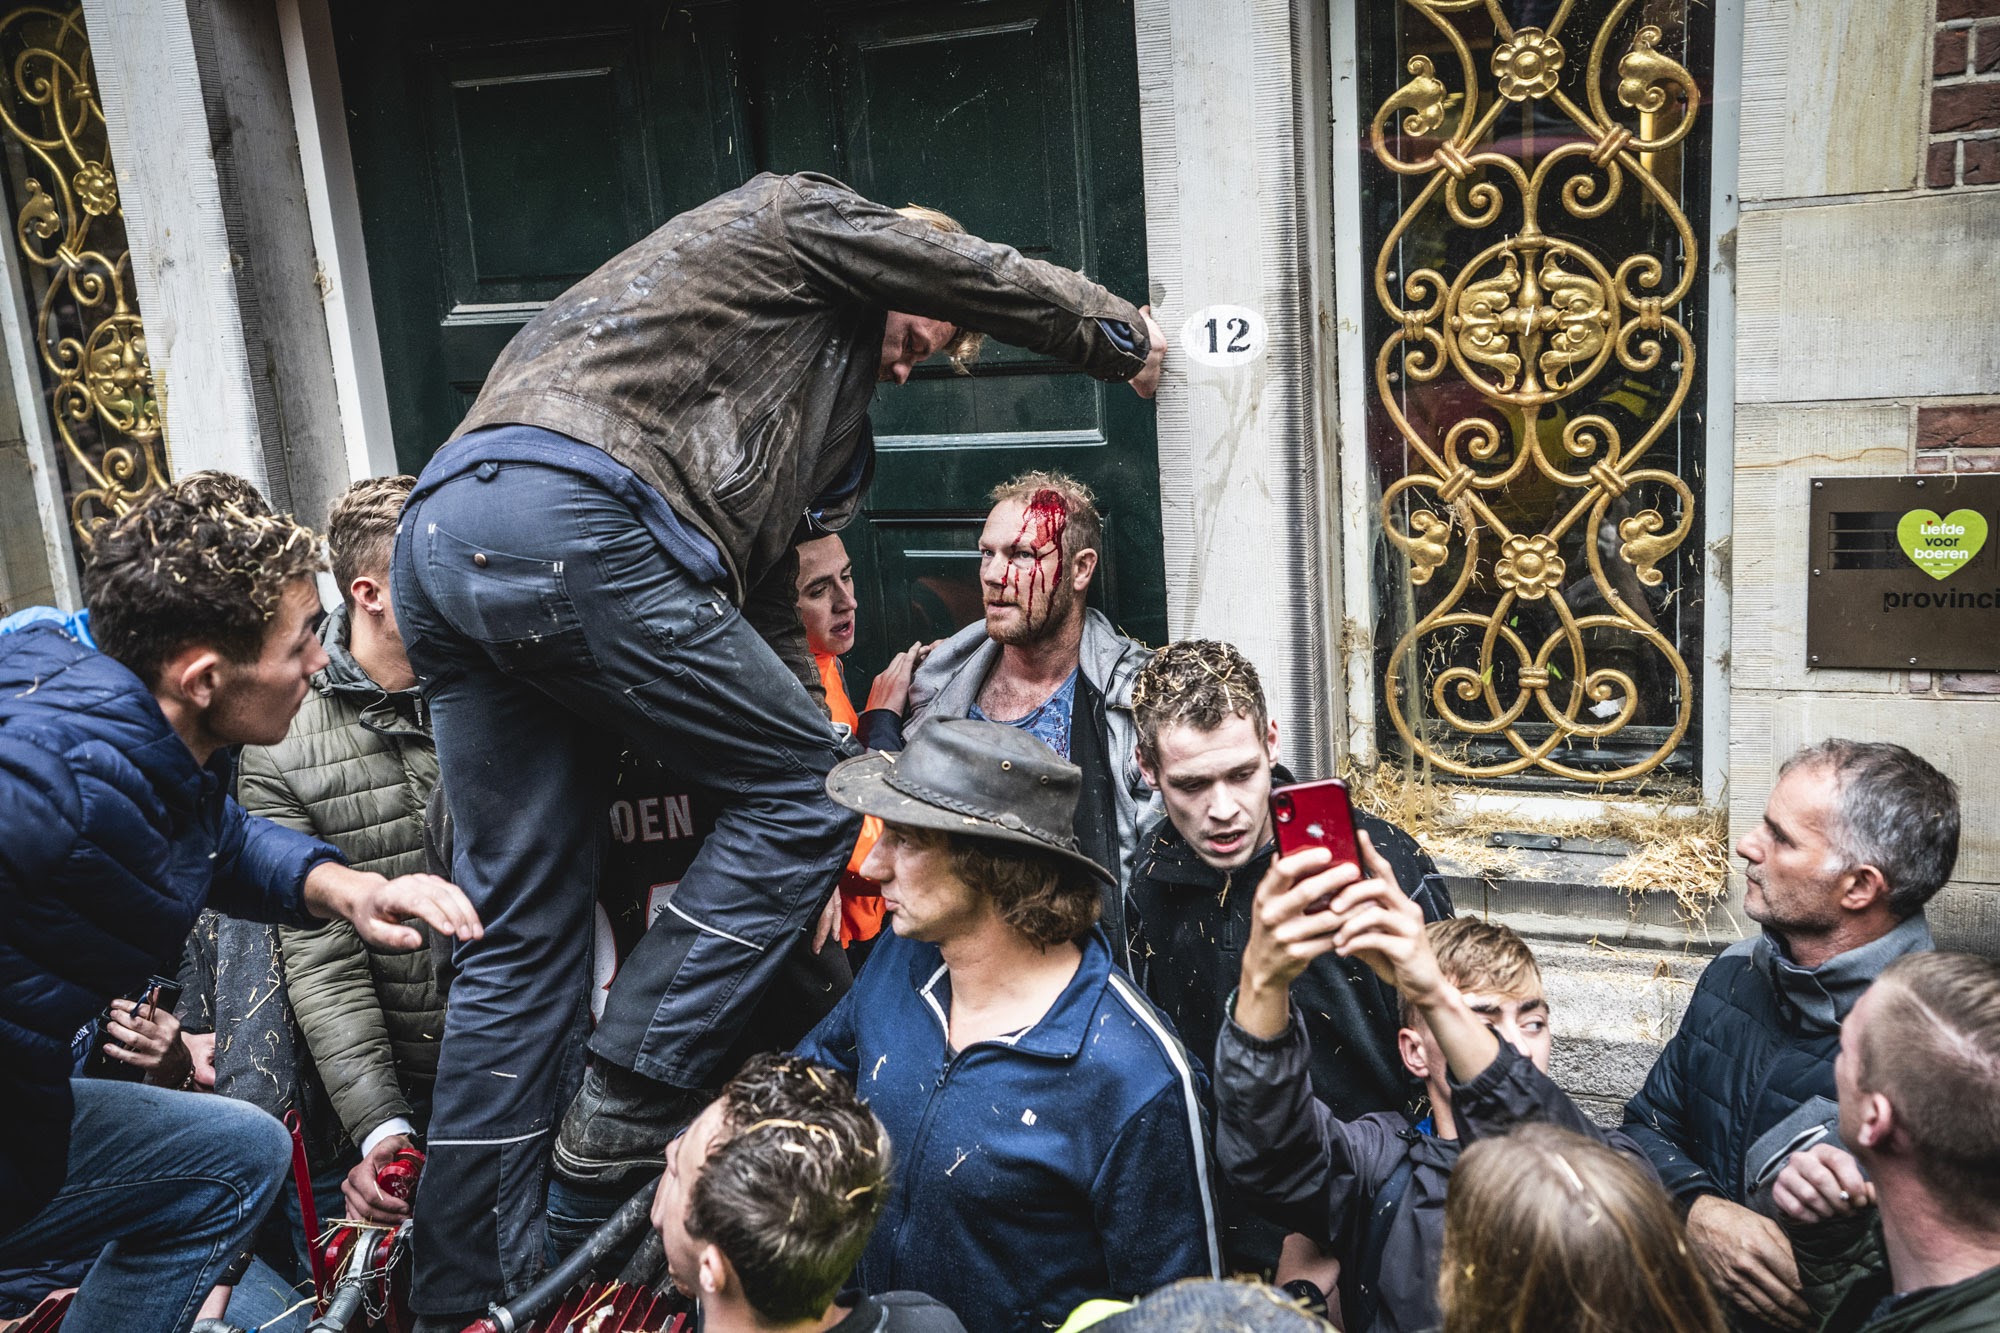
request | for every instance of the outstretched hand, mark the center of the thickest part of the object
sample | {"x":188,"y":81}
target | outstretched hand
{"x":379,"y":907}
{"x":1748,"y":1257}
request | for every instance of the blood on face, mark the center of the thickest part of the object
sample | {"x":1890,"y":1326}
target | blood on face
{"x":1043,"y":523}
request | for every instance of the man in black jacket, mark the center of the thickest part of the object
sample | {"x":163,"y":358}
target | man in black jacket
{"x":1855,"y":839}
{"x":1207,"y":742}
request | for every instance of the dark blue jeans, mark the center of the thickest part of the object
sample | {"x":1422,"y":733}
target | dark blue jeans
{"x":166,"y":1188}
{"x":550,"y":630}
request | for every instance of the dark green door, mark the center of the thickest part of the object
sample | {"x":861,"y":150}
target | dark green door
{"x":503,"y":150}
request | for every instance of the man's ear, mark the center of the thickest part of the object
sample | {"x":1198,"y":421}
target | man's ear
{"x":713,"y":1275}
{"x":1146,"y":769}
{"x":1862,"y":888}
{"x":1878,"y":1121}
{"x":370,"y":594}
{"x":1411,"y":1047}
{"x":1271,"y":741}
{"x":191,"y":677}
{"x":1082,"y":568}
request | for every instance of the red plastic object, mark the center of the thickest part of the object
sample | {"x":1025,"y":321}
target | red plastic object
{"x":398,"y":1178}
{"x":48,"y":1316}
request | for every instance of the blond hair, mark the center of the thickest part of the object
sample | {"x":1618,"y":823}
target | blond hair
{"x":361,"y":529}
{"x":965,"y":344}
{"x":1475,"y":954}
{"x":1083,"y":526}
{"x":1546,"y":1231}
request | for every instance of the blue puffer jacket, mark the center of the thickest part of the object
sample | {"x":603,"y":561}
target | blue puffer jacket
{"x":1749,"y":1075}
{"x":112,"y":838}
{"x":1035,"y":1171}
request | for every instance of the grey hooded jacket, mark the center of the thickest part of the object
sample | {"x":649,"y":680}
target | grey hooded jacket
{"x":355,"y":770}
{"x":1117,"y":803}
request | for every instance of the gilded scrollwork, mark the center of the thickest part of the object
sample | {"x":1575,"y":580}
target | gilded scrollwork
{"x":1527,"y":510}
{"x":70,"y":231}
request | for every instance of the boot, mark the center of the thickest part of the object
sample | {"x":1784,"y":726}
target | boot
{"x":618,"y":1127}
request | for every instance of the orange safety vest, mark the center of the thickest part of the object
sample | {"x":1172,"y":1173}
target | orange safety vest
{"x":860,"y":897}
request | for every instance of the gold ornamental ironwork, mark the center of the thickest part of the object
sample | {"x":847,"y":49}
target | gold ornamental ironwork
{"x":1523,"y":326}
{"x":71,"y":232}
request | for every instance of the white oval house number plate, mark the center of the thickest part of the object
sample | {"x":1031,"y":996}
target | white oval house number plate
{"x":1223,"y":335}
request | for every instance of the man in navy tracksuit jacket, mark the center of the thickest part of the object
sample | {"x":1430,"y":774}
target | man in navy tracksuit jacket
{"x":116,"y":828}
{"x":1046,"y":1123}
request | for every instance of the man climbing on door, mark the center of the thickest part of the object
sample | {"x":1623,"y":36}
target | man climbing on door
{"x":604,"y":553}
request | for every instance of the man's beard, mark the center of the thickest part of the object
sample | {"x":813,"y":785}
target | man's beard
{"x":1044,"y":611}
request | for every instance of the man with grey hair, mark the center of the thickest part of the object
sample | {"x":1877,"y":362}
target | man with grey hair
{"x":1855,"y":839}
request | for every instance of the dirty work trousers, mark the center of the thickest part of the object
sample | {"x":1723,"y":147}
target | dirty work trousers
{"x":549,"y":629}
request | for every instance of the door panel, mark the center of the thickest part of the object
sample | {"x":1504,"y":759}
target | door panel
{"x":503,"y":150}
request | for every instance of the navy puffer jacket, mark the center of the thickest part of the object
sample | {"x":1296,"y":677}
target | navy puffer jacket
{"x":1748,"y":1077}
{"x":112,"y":838}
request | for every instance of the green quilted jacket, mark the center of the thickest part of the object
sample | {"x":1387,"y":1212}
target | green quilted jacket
{"x":355,"y":770}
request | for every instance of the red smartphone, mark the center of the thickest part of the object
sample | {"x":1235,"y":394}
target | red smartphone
{"x":1315,"y":814}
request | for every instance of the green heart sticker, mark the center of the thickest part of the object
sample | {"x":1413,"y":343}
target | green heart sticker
{"x":1941,"y":546}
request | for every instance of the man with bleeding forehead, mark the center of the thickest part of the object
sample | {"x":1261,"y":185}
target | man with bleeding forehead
{"x":1043,"y":661}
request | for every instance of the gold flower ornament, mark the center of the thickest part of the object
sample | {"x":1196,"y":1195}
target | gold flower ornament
{"x":1527,"y":65}
{"x":1529,"y":566}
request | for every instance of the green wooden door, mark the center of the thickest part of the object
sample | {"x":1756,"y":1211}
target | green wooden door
{"x":503,"y":150}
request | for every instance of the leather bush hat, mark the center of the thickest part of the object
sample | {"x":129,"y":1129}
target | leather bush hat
{"x":976,"y":779}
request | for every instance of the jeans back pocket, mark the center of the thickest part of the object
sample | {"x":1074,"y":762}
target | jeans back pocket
{"x":517,"y":607}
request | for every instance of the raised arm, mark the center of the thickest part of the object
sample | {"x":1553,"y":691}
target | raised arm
{"x":851,"y":247}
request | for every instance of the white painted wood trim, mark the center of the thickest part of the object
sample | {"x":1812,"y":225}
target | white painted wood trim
{"x":1355,"y":522}
{"x":1320,"y":363}
{"x":312,"y":70}
{"x":1719,"y":420}
{"x":151,"y":86}
{"x":17,"y":334}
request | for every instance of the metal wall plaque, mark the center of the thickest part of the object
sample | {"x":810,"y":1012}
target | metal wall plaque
{"x":1904,"y":573}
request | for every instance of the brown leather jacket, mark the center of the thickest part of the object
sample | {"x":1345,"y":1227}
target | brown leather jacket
{"x":729,"y":358}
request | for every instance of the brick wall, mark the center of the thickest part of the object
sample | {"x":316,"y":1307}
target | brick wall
{"x":1965,"y":96}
